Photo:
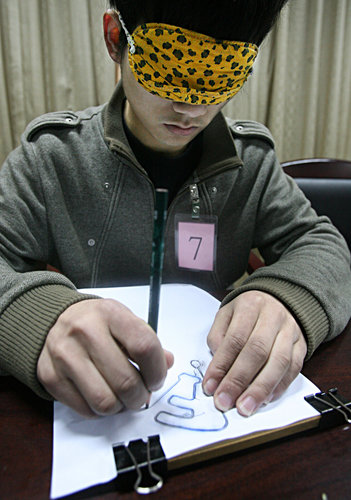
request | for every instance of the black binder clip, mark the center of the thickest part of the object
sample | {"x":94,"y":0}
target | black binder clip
{"x":334,"y":409}
{"x":141,"y":465}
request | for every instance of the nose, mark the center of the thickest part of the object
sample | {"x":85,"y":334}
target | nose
{"x":192,"y":110}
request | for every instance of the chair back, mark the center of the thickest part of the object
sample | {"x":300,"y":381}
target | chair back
{"x":326,"y":182}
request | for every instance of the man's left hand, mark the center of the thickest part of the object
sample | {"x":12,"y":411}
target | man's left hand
{"x":258,"y":350}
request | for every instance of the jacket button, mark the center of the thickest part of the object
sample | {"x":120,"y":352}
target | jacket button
{"x":91,"y":242}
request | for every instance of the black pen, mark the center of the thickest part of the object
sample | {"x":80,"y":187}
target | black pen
{"x":160,"y":216}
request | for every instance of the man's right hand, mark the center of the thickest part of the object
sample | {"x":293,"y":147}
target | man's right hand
{"x":85,"y":362}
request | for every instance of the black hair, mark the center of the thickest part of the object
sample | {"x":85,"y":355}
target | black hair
{"x":240,"y":20}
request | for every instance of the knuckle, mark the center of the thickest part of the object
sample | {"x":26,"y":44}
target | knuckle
{"x":111,"y":306}
{"x":70,"y":326}
{"x":257,"y":298}
{"x":132,"y":392}
{"x":48,"y":379}
{"x":291,"y":328}
{"x":254,"y":300}
{"x":220,"y":369}
{"x":296,"y":366}
{"x":264,"y":389}
{"x":222,"y":364}
{"x":291,"y":321}
{"x":235,"y":343}
{"x":58,"y":351}
{"x":283,"y":385}
{"x":283,"y":360}
{"x":128,"y":386}
{"x":211,"y":343}
{"x":236,"y":384}
{"x":224,"y":314}
{"x":105,"y":404}
{"x":145,"y":342}
{"x":120,"y":315}
{"x":259,"y":349}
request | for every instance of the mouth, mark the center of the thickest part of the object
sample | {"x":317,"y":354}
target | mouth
{"x":180,"y":130}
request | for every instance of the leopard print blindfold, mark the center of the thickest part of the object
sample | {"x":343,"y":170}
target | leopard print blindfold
{"x":182,"y":65}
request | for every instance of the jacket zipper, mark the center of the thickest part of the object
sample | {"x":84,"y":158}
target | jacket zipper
{"x":192,"y":186}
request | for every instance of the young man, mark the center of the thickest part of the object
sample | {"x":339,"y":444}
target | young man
{"x":79,"y":194}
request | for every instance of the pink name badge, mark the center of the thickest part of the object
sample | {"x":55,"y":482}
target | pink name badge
{"x":196,"y":244}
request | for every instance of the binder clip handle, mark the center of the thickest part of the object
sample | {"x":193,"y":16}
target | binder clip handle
{"x":138,"y":485}
{"x":332,"y":407}
{"x":141,"y":465}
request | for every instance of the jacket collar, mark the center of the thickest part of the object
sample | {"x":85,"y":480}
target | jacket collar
{"x":214,"y":159}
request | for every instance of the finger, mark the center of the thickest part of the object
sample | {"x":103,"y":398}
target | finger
{"x":91,"y":359}
{"x":237,"y":315}
{"x":109,"y":344}
{"x":247,"y":365}
{"x":298,"y":356}
{"x":96,"y":390}
{"x":83,"y":352}
{"x":242,"y":353}
{"x":85,"y":363}
{"x":219,"y":327}
{"x":284,"y":364}
{"x":110,"y":380}
{"x":141,"y":343}
{"x":67,"y":394}
{"x":233,"y":342}
{"x":61,"y":389}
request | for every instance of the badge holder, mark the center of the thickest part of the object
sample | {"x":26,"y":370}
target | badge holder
{"x":195,"y":237}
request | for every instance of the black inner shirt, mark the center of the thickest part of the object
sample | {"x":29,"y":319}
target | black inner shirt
{"x":165,"y":171}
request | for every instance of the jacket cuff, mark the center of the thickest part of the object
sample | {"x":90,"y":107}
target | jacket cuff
{"x":24,"y":326}
{"x":302,"y":304}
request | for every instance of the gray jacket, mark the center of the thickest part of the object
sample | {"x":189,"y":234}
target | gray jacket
{"x":74,"y":196}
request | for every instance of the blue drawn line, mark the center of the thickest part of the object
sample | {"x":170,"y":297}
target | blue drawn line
{"x":171,"y":387}
{"x":188,"y":412}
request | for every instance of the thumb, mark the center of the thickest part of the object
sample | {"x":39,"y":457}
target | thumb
{"x":169,"y":358}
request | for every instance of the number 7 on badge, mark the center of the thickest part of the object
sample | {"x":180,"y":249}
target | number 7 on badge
{"x":196,"y":244}
{"x":199,"y":238}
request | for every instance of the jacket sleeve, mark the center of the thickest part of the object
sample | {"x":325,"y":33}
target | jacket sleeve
{"x":31,"y":298}
{"x":307,"y":260}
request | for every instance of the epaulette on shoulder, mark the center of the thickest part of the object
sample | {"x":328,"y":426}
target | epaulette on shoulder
{"x":57,"y":119}
{"x":250,"y":128}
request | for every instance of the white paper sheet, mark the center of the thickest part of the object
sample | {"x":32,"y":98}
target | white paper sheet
{"x":180,"y":413}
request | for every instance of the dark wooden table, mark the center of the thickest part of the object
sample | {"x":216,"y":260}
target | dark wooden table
{"x":312,"y":466}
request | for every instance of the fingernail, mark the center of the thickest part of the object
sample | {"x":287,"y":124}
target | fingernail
{"x":210,"y":387}
{"x":223,"y":401}
{"x":247,"y":406}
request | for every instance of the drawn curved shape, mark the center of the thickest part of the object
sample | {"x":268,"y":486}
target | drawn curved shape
{"x":189,"y":408}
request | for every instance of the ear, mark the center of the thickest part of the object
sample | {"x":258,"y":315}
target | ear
{"x":112,"y":30}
